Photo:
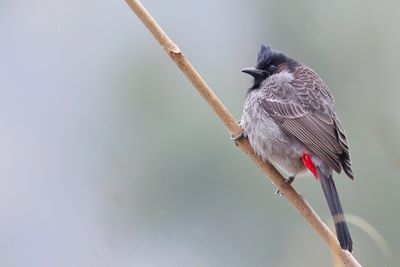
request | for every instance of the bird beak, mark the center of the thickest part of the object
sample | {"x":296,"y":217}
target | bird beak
{"x":254,"y":72}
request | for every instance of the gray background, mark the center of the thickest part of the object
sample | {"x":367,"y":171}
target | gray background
{"x":108,"y":156}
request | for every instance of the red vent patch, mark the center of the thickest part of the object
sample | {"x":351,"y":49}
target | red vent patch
{"x":306,"y":158}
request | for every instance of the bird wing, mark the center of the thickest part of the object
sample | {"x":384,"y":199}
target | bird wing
{"x":304,"y":109}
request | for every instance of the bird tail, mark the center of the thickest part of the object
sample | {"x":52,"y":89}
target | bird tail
{"x":332,"y":198}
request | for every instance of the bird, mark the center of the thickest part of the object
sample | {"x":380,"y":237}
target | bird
{"x":290,"y":121}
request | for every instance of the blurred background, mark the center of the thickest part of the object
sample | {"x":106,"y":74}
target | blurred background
{"x":109,"y":157}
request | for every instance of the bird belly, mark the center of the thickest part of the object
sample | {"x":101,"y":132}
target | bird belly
{"x":271,"y":143}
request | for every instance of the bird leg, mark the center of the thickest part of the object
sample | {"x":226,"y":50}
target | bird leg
{"x":288,"y":181}
{"x":238,"y":136}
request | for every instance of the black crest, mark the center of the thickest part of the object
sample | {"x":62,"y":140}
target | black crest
{"x":263,"y":55}
{"x":267,"y":56}
{"x":268,"y":63}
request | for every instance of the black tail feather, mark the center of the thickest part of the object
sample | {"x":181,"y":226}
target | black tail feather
{"x":332,"y":197}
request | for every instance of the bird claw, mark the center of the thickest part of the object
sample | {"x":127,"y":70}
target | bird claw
{"x":288,"y":181}
{"x":237,"y":136}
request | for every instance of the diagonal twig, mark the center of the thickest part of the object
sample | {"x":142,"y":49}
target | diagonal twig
{"x":234,"y":128}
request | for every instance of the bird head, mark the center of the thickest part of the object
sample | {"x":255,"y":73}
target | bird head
{"x":269,"y":62}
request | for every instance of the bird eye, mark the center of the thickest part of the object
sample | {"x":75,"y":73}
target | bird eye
{"x":272,"y":67}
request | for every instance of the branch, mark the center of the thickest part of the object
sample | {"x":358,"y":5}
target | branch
{"x":234,"y":128}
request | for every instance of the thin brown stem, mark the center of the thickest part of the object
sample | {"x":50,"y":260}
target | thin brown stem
{"x":234,"y":128}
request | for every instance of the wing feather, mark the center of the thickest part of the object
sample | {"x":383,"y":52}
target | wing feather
{"x":304,"y":109}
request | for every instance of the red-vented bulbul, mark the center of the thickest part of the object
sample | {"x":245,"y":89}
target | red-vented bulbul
{"x":290,"y":121}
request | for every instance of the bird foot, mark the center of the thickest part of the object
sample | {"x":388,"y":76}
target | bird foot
{"x":238,"y":136}
{"x":288,"y":181}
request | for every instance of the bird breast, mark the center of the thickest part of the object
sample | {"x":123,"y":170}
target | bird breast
{"x":267,"y":138}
